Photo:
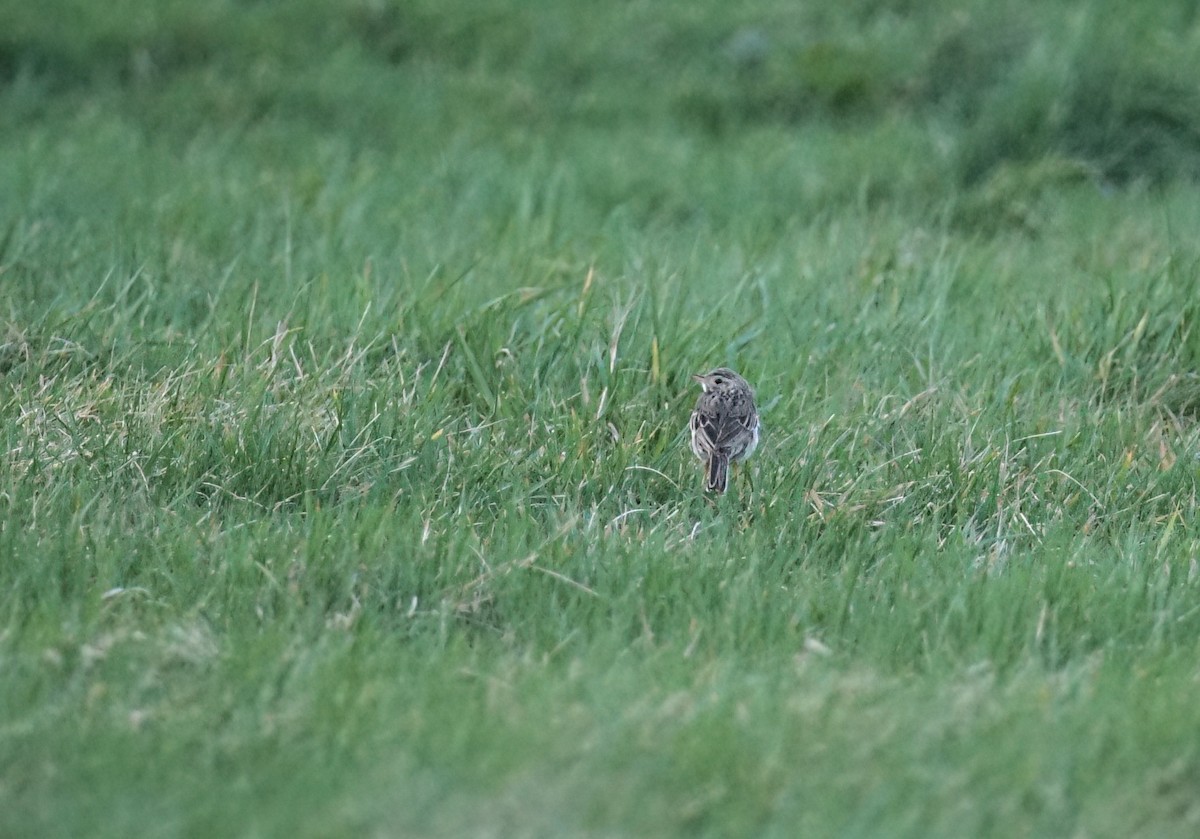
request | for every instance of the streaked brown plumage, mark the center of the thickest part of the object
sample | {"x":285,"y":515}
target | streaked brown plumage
{"x":725,"y":425}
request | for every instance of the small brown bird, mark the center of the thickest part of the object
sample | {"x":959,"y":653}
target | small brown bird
{"x":725,"y":424}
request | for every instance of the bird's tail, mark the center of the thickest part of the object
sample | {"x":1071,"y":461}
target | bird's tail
{"x":718,"y":472}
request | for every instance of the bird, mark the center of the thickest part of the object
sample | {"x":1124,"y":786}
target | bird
{"x":725,"y":425}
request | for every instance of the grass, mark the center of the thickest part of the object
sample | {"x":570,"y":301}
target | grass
{"x":344,"y":374}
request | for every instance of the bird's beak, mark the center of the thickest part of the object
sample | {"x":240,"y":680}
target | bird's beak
{"x":696,"y":377}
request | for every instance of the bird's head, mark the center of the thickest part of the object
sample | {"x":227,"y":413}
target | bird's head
{"x":719,"y":378}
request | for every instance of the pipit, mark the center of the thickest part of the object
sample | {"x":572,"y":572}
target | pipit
{"x":725,"y":424}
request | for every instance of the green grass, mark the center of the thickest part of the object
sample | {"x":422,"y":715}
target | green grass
{"x":345,"y":357}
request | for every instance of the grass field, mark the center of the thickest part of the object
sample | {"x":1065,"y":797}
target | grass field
{"x":345,"y":355}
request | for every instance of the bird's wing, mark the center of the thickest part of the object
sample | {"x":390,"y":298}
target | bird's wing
{"x":739,"y":418}
{"x":707,"y":426}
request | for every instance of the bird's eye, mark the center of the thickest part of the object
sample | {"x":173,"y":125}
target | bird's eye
{"x":718,"y":381}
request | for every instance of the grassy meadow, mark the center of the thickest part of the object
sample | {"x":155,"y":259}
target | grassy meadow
{"x":345,"y":355}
